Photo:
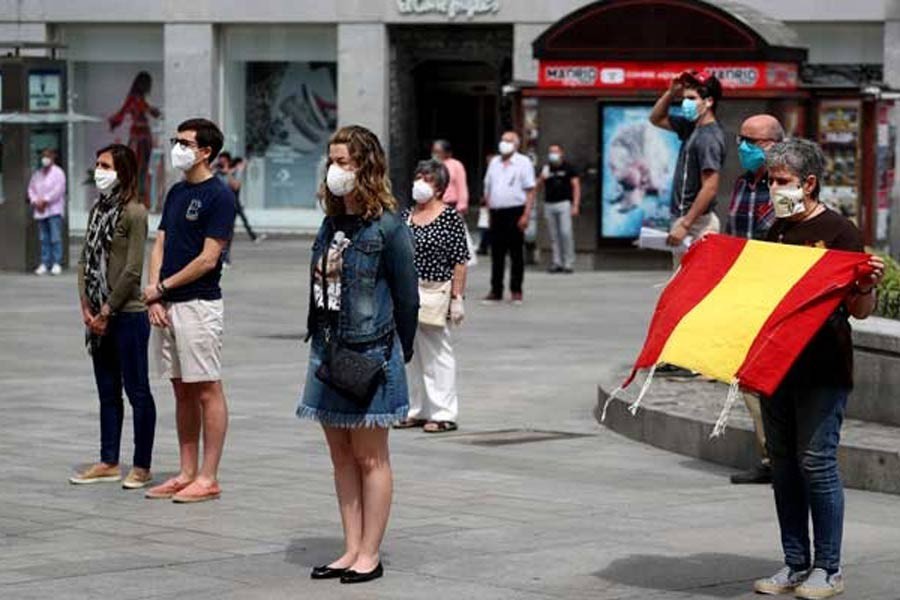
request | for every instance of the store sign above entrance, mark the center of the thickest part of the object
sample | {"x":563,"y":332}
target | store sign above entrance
{"x":736,"y":75}
{"x":451,"y":8}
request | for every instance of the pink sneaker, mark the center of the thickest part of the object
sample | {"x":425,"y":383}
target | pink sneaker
{"x":198,"y":492}
{"x":165,"y":491}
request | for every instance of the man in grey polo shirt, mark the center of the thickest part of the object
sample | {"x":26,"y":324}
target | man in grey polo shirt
{"x":509,"y":193}
{"x":702,"y":154}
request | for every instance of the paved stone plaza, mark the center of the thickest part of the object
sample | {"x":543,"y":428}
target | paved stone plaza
{"x":494,"y":511}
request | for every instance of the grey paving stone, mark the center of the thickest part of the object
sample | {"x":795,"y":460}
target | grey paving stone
{"x":599,"y":517}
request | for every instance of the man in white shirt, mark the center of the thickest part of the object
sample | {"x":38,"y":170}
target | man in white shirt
{"x":509,"y":187}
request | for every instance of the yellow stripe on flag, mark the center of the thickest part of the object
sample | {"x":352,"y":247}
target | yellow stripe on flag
{"x":715,"y":336}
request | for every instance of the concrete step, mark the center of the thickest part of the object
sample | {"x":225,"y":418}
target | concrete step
{"x":876,"y":360}
{"x":679,"y":416}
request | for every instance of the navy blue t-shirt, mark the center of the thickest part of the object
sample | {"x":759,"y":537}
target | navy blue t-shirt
{"x":192,"y":213}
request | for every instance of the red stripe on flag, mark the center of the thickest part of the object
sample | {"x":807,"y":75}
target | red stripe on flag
{"x":702,"y":268}
{"x":798,"y":317}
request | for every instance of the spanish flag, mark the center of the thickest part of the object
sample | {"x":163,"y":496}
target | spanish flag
{"x":742,"y":311}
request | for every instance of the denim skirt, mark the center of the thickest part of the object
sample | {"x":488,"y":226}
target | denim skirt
{"x":390,"y":403}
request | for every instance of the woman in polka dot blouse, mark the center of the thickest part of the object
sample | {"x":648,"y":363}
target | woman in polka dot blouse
{"x":442,"y":253}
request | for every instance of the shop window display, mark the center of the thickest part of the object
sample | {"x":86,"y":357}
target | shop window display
{"x":291,"y":111}
{"x":839,"y":131}
{"x":139,"y":111}
{"x":126,"y":98}
{"x":638,"y":162}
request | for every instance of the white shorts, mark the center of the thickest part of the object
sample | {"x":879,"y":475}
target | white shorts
{"x":190,"y":348}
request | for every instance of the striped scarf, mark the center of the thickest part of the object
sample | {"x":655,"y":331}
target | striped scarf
{"x":95,"y":256}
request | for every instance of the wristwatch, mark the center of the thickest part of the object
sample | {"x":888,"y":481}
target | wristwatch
{"x":161,"y":288}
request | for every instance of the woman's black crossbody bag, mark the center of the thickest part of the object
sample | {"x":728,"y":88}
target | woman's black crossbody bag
{"x":350,"y":373}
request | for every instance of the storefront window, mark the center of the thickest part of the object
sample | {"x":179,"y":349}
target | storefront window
{"x":885,"y":159}
{"x":839,"y":133}
{"x":280,"y":107}
{"x":116,"y":76}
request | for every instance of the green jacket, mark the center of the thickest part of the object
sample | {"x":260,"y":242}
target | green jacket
{"x":126,"y":260}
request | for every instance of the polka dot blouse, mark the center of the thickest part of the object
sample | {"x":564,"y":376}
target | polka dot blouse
{"x":440,"y":245}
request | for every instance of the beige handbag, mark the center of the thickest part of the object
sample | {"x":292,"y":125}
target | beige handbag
{"x":434,"y":302}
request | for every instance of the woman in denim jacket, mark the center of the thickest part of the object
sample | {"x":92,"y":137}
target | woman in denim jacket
{"x":369,"y":300}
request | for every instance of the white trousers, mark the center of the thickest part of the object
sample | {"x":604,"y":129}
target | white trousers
{"x":431,"y":376}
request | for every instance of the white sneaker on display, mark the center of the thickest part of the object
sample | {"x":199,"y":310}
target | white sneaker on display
{"x":55,"y":270}
{"x":41,"y":270}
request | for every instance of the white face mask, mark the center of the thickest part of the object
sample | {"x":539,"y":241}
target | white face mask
{"x":340,"y":181}
{"x":506,"y":148}
{"x":104,"y":179}
{"x":422,"y":191}
{"x":554,"y":157}
{"x":46,"y":161}
{"x":787,"y":202}
{"x":183,"y":158}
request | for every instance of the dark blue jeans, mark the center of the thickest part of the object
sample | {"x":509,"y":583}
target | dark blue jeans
{"x":50,"y":234}
{"x":803,"y":430}
{"x":122,"y":359}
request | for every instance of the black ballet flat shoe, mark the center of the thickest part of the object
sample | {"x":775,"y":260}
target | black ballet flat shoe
{"x":351,"y":576}
{"x":326,"y":572}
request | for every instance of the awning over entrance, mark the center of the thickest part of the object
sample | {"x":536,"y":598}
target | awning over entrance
{"x":641,"y":44}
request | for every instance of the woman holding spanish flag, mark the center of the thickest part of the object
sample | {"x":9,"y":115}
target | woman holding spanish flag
{"x":803,"y":416}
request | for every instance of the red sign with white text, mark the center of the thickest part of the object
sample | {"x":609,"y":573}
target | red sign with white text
{"x":737,"y":75}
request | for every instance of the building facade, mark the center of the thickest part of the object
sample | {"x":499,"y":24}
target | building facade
{"x":281,"y":75}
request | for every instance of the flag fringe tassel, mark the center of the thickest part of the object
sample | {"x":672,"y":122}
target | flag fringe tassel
{"x":734,"y":392}
{"x":644,"y":388}
{"x":618,"y":392}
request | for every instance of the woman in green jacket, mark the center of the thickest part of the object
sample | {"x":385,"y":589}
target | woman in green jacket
{"x":117,"y":327}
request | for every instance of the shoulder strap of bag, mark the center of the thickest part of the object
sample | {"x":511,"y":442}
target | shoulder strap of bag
{"x":332,"y":321}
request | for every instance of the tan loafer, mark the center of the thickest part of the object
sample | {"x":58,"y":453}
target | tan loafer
{"x":98,"y":473}
{"x":137,"y":479}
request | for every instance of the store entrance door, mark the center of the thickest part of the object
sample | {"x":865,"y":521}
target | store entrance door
{"x":446,"y":82}
{"x":457,"y":101}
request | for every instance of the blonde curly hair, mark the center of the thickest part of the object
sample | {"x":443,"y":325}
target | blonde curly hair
{"x":373,"y":188}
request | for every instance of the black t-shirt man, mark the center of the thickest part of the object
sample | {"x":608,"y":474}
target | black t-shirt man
{"x":828,"y":358}
{"x":192,"y":213}
{"x":702,"y":149}
{"x":558,"y":182}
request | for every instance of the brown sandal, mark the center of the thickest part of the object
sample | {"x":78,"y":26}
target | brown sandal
{"x":439,"y":426}
{"x":410,"y":423}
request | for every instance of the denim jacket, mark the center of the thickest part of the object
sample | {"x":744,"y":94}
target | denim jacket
{"x":379,"y":284}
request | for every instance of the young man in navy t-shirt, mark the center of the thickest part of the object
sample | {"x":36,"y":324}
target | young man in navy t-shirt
{"x":185,"y":306}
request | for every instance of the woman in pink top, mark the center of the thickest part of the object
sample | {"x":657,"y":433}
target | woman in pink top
{"x":47,"y":195}
{"x":457,"y":193}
